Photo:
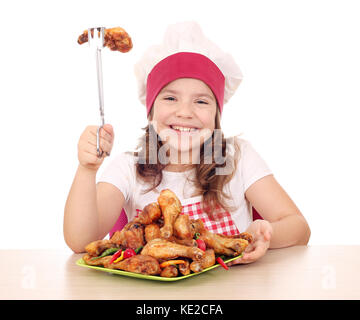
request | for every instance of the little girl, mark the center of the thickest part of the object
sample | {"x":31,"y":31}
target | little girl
{"x":184,"y":83}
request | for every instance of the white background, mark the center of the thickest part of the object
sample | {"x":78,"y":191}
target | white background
{"x":298,"y":103}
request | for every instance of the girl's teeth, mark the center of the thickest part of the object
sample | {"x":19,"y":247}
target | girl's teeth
{"x":184,"y":129}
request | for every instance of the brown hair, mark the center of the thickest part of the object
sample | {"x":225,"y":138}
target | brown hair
{"x":207,"y":183}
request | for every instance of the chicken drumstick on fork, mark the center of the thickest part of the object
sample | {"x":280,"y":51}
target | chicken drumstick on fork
{"x":116,"y":39}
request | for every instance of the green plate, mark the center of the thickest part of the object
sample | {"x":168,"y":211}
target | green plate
{"x":82,"y":263}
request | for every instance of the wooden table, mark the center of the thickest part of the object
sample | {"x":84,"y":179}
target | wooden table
{"x":314,"y":272}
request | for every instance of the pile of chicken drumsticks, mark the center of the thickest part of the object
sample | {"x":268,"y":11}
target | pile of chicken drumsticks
{"x":160,"y":234}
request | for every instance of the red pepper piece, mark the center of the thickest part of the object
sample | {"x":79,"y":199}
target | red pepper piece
{"x":115,"y":256}
{"x":129,"y":253}
{"x":201,"y":244}
{"x":222,"y":263}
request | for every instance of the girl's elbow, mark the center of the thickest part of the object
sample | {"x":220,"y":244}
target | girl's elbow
{"x":306,"y":235}
{"x":75,"y":247}
{"x":78,"y":250}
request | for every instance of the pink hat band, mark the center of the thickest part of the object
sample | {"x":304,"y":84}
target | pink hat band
{"x":185,"y":65}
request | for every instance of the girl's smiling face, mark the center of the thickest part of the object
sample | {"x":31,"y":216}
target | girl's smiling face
{"x":184,"y":114}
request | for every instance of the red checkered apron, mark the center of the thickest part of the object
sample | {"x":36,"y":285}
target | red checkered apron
{"x":220,"y":222}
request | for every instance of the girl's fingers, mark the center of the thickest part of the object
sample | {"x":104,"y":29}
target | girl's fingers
{"x":265,"y":230}
{"x":236,"y":261}
{"x":269,"y":236}
{"x":92,"y":142}
{"x":243,"y":260}
{"x":259,"y":251}
{"x":249,"y":248}
{"x":87,"y":145}
{"x":108,"y":130}
{"x":253,"y":255}
{"x":105,"y":146}
{"x":90,"y":154}
{"x":103,"y":135}
{"x":247,"y":257}
{"x":107,"y":133}
{"x":90,"y":158}
{"x":262,"y":232}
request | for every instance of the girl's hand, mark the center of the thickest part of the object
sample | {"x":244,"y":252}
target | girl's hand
{"x":262,"y":231}
{"x":87,"y":153}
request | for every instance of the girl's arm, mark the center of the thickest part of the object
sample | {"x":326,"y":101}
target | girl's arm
{"x":80,"y":215}
{"x":90,"y":210}
{"x":274,"y":205}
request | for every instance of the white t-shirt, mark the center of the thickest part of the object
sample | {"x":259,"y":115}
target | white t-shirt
{"x":121,"y":172}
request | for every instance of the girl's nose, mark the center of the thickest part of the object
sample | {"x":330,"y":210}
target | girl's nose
{"x":184,"y":110}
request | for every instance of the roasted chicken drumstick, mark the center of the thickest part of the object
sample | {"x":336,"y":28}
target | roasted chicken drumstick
{"x":206,"y":261}
{"x":163,"y":249}
{"x":171,"y":207}
{"x":96,"y":247}
{"x":116,"y":39}
{"x":182,"y":227}
{"x":220,"y":243}
{"x":152,"y":231}
{"x":150,"y":213}
{"x":138,"y":264}
{"x":131,"y":236}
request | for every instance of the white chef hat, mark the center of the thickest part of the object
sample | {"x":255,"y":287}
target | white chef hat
{"x":186,"y":52}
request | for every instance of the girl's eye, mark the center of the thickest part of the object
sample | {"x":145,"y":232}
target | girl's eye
{"x":173,"y":99}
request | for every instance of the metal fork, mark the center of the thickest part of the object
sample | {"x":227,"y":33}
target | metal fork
{"x":96,"y":42}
